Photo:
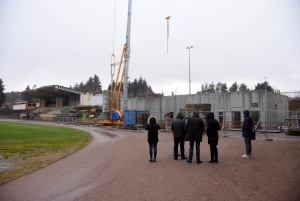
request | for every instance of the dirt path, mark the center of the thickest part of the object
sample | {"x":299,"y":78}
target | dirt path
{"x":118,"y":169}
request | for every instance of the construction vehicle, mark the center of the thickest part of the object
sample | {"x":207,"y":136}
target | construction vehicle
{"x":116,"y":113}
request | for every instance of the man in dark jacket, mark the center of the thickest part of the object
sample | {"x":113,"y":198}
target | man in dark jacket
{"x":194,"y":132}
{"x":213,"y":136}
{"x":178,"y":127}
{"x":247,"y":132}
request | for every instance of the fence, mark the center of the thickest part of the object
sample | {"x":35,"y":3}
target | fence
{"x":265,"y":121}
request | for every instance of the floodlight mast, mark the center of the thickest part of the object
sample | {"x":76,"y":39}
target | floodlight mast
{"x":127,"y":57}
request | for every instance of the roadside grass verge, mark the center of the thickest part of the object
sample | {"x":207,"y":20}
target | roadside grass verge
{"x":25,"y":147}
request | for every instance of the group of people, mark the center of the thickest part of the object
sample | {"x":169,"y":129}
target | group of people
{"x":192,"y":131}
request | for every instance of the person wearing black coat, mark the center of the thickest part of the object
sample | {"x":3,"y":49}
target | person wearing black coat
{"x":178,"y":127}
{"x":152,"y":128}
{"x":213,"y":127}
{"x":194,"y":132}
{"x":247,"y":132}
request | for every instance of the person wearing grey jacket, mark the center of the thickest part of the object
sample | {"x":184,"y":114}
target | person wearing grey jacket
{"x":178,"y":128}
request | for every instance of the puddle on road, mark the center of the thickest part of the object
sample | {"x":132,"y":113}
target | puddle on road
{"x":4,"y":164}
{"x":110,"y":135}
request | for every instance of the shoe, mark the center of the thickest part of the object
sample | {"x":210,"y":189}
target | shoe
{"x":199,"y":161}
{"x":211,"y":161}
{"x":216,"y":161}
{"x":184,"y":158}
{"x":154,"y":160}
{"x":150,"y":160}
{"x":245,"y":156}
{"x":189,"y":161}
{"x":175,"y":159}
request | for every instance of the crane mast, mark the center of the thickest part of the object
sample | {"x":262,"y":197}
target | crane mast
{"x":127,"y":57}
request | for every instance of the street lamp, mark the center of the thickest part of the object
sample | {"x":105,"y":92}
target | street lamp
{"x":189,"y":48}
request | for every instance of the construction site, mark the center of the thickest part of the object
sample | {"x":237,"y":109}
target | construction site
{"x":270,"y":110}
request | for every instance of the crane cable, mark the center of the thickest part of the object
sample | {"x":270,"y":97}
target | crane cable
{"x":112,"y":59}
{"x":167,"y":18}
{"x":114,"y":27}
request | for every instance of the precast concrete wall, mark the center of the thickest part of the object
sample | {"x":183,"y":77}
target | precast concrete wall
{"x":227,"y":102}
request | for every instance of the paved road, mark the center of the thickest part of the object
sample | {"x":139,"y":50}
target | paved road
{"x":118,"y":169}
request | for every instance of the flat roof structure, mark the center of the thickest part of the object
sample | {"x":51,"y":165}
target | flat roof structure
{"x":51,"y":91}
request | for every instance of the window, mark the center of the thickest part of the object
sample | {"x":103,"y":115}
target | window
{"x":220,"y":117}
{"x":255,"y":116}
{"x":254,"y":104}
{"x":236,"y":119}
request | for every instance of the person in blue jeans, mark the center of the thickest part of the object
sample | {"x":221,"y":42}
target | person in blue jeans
{"x":152,"y":128}
{"x":194,"y":132}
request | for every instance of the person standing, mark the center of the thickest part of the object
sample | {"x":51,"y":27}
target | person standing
{"x":213,"y":127}
{"x":247,"y":133}
{"x":152,"y":128}
{"x":194,"y":132}
{"x":178,"y":127}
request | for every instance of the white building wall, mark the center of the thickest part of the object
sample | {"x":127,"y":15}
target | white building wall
{"x":19,"y":106}
{"x":86,"y":99}
{"x":97,"y":100}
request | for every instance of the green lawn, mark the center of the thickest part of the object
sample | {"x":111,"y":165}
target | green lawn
{"x":29,"y":146}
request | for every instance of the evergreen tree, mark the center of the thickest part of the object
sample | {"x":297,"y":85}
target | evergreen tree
{"x":89,"y":85}
{"x":81,"y":87}
{"x":263,"y":85}
{"x":97,"y":84}
{"x":211,"y":88}
{"x":2,"y":94}
{"x":12,"y":96}
{"x":26,"y":97}
{"x":243,"y":87}
{"x":224,"y":87}
{"x":76,"y":87}
{"x":218,"y":87}
{"x":234,"y":87}
{"x":204,"y":88}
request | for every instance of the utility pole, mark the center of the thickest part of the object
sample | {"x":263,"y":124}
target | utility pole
{"x":189,"y":48}
{"x":127,"y":57}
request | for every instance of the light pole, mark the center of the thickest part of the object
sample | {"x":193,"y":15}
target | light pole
{"x":189,"y":48}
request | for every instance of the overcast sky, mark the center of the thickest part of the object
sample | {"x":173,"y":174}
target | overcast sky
{"x":63,"y":42}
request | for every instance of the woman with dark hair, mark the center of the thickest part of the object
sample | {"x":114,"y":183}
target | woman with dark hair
{"x":213,"y":136}
{"x":152,"y":128}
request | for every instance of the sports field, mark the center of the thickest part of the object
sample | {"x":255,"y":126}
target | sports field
{"x":25,"y":147}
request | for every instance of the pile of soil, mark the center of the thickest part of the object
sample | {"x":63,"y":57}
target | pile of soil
{"x":294,"y":104}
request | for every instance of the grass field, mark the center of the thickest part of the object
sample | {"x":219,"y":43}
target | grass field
{"x":24,"y":146}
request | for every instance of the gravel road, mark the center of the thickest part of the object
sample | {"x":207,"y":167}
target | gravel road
{"x":117,"y":168}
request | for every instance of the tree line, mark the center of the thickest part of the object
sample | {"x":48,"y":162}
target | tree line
{"x":137,"y":87}
{"x":222,"y":87}
{"x":92,"y":85}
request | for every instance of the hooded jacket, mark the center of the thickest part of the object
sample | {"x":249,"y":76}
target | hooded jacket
{"x":152,"y":128}
{"x":178,"y":126}
{"x":212,"y":129}
{"x":247,"y":125}
{"x":194,"y":128}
